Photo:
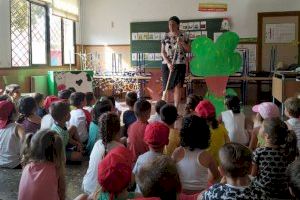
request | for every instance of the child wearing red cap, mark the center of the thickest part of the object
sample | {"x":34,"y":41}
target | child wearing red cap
{"x":218,"y":133}
{"x":136,"y":130}
{"x":11,"y":136}
{"x":114,"y":175}
{"x":156,"y":137}
{"x":196,"y":167}
{"x":109,"y":124}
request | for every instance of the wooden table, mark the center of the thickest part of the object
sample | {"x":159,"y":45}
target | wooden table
{"x":285,"y":85}
{"x":244,"y":80}
{"x":140,"y":80}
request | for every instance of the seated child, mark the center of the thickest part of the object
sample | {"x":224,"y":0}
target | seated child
{"x":47,"y":121}
{"x":72,"y":89}
{"x":94,"y":130}
{"x":39,"y":99}
{"x":136,"y":131}
{"x":60,"y":111}
{"x":235,"y":165}
{"x":271,"y":161}
{"x":43,"y":175}
{"x":218,"y":133}
{"x":14,"y":93}
{"x":109,"y":124}
{"x":114,"y":175}
{"x":156,"y":137}
{"x":263,"y":111}
{"x":196,"y":167}
{"x":292,"y":111}
{"x":128,"y":116}
{"x":64,"y":94}
{"x":28,"y":117}
{"x":11,"y":136}
{"x":79,"y":117}
{"x":156,"y":117}
{"x":169,"y":115}
{"x":234,"y":121}
{"x":191,"y":103}
{"x":90,"y":101}
{"x":160,"y":178}
{"x":293,"y":174}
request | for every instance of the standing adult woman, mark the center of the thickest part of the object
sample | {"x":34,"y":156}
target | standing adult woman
{"x":174,"y":60}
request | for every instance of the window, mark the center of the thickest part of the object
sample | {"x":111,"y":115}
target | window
{"x":39,"y":38}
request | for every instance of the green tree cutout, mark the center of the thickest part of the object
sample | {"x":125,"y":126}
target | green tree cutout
{"x":216,"y":59}
{"x":216,"y":62}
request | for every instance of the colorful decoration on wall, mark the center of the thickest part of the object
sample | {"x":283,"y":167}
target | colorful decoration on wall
{"x":216,"y":62}
{"x":212,"y":7}
{"x":60,"y":80}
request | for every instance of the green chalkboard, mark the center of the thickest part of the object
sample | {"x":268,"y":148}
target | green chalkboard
{"x":145,"y":37}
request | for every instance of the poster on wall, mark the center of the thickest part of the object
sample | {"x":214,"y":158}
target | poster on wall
{"x":280,"y":33}
{"x":212,"y":7}
{"x":81,"y":81}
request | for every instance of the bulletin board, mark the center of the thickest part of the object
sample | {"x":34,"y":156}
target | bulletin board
{"x":145,"y":37}
{"x":278,"y":39}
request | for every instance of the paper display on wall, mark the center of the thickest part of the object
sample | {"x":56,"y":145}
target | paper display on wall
{"x":280,"y":33}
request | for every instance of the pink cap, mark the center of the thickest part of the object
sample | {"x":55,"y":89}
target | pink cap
{"x":266,"y":110}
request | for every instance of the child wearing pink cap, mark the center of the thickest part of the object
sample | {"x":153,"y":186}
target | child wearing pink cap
{"x":196,"y":167}
{"x":11,"y":135}
{"x":218,"y":133}
{"x":156,"y":137}
{"x":263,"y":111}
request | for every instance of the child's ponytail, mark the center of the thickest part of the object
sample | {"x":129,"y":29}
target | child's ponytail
{"x":26,"y":149}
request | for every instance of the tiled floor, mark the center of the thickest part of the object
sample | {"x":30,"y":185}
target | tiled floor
{"x":9,"y":181}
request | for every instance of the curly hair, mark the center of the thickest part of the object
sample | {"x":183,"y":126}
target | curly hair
{"x":194,"y":133}
{"x":109,"y":127}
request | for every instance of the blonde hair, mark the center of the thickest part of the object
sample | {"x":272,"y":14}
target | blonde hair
{"x":46,"y":146}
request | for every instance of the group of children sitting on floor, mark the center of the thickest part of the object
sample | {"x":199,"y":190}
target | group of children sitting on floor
{"x":136,"y":155}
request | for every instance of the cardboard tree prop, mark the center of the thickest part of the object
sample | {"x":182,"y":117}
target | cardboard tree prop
{"x":216,"y":62}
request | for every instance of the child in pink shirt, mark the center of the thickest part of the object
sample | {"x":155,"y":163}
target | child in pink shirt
{"x":136,"y":131}
{"x":43,"y":175}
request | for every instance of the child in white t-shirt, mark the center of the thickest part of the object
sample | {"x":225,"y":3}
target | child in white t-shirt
{"x":234,"y":121}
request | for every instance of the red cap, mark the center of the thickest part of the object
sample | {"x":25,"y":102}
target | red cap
{"x":6,"y":107}
{"x":115,"y":170}
{"x":49,"y":100}
{"x":205,"y":109}
{"x":156,"y":135}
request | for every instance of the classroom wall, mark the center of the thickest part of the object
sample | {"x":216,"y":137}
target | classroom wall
{"x":107,"y":21}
